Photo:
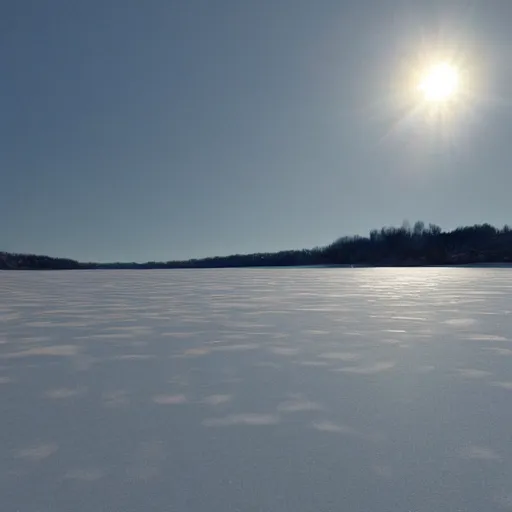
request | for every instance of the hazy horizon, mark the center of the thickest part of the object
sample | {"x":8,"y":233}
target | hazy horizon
{"x":406,"y":224}
{"x":173,"y":130}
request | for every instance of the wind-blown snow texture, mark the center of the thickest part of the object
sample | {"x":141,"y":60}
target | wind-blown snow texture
{"x":301,"y":390}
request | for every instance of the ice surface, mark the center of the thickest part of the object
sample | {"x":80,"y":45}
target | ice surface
{"x":301,"y":390}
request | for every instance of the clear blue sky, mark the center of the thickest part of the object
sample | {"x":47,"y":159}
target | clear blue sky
{"x":163,"y":129}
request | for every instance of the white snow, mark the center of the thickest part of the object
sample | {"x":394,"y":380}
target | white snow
{"x":300,"y":390}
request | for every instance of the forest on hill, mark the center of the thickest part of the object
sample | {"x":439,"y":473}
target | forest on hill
{"x":418,"y":245}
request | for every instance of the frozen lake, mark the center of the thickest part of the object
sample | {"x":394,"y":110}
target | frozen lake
{"x":300,"y":390}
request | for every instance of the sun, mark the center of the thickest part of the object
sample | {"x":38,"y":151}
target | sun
{"x":436,"y":91}
{"x":440,"y":83}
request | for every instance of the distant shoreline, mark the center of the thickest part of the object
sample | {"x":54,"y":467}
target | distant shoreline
{"x":281,"y":267}
{"x":406,"y":247}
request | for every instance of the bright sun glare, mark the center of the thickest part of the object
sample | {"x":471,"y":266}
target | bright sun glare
{"x":436,"y":92}
{"x":440,"y":83}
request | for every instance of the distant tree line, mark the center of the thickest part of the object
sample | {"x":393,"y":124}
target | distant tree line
{"x":403,"y":246}
{"x":13,"y":261}
{"x":424,"y":245}
{"x":391,"y":246}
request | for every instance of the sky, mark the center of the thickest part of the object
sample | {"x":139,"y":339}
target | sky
{"x":171,"y":129}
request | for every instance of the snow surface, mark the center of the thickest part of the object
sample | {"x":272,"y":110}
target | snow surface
{"x":301,"y":390}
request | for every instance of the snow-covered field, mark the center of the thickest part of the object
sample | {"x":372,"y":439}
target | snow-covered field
{"x":298,"y":390}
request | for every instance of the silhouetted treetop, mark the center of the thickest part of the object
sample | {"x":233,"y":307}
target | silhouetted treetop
{"x":390,"y":246}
